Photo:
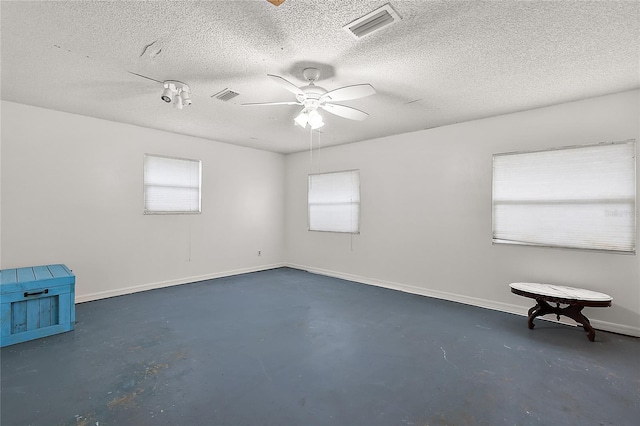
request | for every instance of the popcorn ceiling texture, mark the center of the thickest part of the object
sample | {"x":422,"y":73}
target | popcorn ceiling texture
{"x":445,"y":62}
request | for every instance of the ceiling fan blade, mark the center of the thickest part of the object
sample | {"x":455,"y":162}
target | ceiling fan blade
{"x":271,"y":103}
{"x":349,"y":92}
{"x":286,"y":84}
{"x":144,"y":76}
{"x":345,"y":111}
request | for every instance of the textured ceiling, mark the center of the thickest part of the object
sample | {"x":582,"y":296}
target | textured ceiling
{"x":443,"y":63}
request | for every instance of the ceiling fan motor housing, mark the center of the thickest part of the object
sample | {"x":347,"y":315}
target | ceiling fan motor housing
{"x":311,"y":93}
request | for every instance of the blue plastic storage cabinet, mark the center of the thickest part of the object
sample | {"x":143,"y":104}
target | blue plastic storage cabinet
{"x":36,"y":302}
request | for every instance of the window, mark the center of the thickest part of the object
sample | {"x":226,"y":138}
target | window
{"x":334,"y":202}
{"x":577,"y":197}
{"x":171,"y":185}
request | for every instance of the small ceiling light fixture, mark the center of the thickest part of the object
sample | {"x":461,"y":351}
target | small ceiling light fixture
{"x":176,"y":92}
{"x":184,"y":95}
{"x":167,"y":95}
{"x":178,"y":102}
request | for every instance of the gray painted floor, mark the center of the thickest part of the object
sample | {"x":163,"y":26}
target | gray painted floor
{"x":285,"y":347}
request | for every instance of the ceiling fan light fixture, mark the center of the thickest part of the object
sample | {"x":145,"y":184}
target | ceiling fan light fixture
{"x":315,"y":120}
{"x":302,"y":119}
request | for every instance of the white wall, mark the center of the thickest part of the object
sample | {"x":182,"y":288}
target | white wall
{"x":72,"y":194}
{"x":426,"y":212}
{"x":1,"y":185}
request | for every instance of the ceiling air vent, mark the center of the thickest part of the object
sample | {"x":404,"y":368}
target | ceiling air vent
{"x":372,"y":22}
{"x":225,"y":95}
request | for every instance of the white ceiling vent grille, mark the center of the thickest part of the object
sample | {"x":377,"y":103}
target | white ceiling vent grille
{"x":225,"y":95}
{"x":372,"y":22}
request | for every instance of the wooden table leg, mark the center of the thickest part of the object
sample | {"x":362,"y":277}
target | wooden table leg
{"x":541,"y":308}
{"x":572,"y":311}
{"x":533,"y":310}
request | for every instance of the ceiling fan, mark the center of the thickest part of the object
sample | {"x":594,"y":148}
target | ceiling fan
{"x":312,"y":97}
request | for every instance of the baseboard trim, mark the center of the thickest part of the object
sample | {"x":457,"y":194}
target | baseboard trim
{"x":179,"y":281}
{"x":467,"y":300}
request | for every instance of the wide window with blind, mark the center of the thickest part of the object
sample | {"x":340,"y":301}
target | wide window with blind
{"x":580,"y":197}
{"x":334,"y":202}
{"x":171,"y":185}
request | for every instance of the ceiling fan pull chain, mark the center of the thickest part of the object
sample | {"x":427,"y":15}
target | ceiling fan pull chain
{"x":311,"y":149}
{"x":318,"y":145}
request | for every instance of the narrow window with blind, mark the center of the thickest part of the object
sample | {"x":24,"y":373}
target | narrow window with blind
{"x":580,"y":197}
{"x":171,"y":185}
{"x":334,"y":202}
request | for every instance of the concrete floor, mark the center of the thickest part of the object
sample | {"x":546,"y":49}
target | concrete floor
{"x":285,"y":347}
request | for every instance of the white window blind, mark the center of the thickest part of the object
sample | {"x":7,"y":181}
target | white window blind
{"x":577,"y":197}
{"x":171,"y":185}
{"x":334,"y":202}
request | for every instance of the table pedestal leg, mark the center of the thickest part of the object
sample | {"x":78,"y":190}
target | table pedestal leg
{"x":571,"y":311}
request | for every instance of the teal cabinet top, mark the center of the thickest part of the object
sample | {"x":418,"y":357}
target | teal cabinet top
{"x":21,"y":279}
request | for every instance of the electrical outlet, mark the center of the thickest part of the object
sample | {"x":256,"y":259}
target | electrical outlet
{"x":259,"y":252}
